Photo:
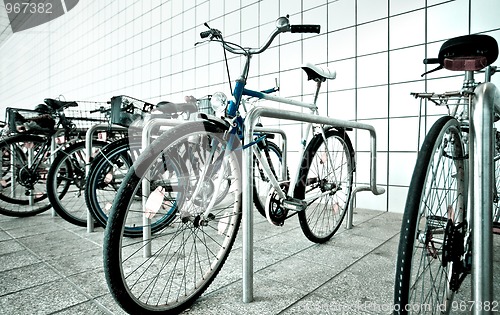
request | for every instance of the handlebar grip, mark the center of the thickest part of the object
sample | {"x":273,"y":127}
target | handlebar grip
{"x":205,"y":34}
{"x":100,"y":109}
{"x":429,"y":61}
{"x":305,"y":28}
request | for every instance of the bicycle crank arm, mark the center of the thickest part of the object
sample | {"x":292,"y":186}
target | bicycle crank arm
{"x":294,"y":204}
{"x":328,"y":192}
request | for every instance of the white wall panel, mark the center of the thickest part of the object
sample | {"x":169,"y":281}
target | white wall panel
{"x":146,"y":49}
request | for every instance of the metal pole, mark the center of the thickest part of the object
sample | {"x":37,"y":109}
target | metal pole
{"x":145,"y":140}
{"x":88,"y":153}
{"x":481,"y":181}
{"x":52,"y":158}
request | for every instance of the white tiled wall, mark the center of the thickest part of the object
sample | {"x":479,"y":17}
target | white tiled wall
{"x":145,"y":49}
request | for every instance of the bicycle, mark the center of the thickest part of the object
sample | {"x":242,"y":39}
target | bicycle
{"x":446,"y":232}
{"x":182,"y":260}
{"x":26,"y":154}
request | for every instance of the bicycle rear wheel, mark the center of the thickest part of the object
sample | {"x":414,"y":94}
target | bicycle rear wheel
{"x":22,"y":187}
{"x":325,"y":181}
{"x":187,"y":254}
{"x":261,"y":182}
{"x":431,"y":264}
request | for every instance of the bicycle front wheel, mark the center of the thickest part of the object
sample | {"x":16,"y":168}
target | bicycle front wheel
{"x":430,"y":264}
{"x":106,"y":173}
{"x":66,"y":182}
{"x":168,"y":271}
{"x":325,"y":183}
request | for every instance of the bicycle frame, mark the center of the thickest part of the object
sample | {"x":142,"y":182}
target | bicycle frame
{"x":238,"y":127}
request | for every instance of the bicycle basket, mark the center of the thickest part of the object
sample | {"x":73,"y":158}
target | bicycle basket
{"x":29,"y":121}
{"x":126,"y":109}
{"x":204,"y":105}
{"x":87,"y":114}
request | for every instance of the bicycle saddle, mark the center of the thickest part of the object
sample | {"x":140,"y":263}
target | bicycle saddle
{"x":57,"y":105}
{"x":466,"y":53}
{"x":170,"y":108}
{"x":317,"y":73}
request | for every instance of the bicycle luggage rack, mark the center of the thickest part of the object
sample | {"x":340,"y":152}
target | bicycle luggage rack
{"x":247,"y":219}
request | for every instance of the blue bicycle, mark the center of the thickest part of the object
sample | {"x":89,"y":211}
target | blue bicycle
{"x":167,"y":271}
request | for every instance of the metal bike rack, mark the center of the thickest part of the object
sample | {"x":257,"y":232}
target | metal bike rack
{"x":145,"y":140}
{"x":247,"y":219}
{"x":88,"y":150}
{"x":481,"y":201}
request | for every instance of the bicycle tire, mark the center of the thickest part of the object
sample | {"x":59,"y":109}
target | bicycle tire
{"x":317,"y":175}
{"x":175,"y":281}
{"x":261,"y":182}
{"x":442,"y":154}
{"x":16,"y":199}
{"x":106,"y":174}
{"x":66,"y":182}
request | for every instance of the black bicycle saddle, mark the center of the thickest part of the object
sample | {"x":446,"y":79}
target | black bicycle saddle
{"x":466,"y":53}
{"x":173,"y":108}
{"x":57,"y":105}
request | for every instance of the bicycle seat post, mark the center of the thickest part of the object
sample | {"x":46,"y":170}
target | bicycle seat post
{"x":318,"y":87}
{"x":469,"y":79}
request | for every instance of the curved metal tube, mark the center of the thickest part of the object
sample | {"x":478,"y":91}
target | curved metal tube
{"x":482,"y":137}
{"x":247,"y":202}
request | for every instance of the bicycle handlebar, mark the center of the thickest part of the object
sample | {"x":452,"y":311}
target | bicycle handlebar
{"x":282,"y":26}
{"x":205,"y":34}
{"x":305,"y":28}
{"x":101,"y":109}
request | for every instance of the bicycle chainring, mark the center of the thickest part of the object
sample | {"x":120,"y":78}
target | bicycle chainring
{"x":275,"y":213}
{"x":27,"y":178}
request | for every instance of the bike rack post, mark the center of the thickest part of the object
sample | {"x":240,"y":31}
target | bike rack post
{"x":88,"y":153}
{"x":247,"y":201}
{"x":145,"y":140}
{"x":52,"y":158}
{"x":481,"y":145}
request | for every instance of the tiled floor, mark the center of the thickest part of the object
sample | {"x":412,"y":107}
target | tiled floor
{"x":48,"y":266}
